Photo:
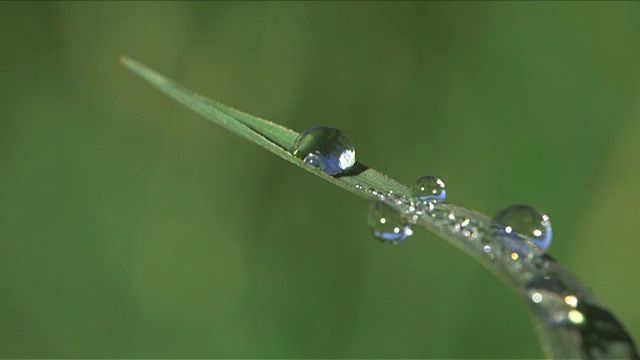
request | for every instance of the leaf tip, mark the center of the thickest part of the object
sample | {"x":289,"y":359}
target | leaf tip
{"x":126,"y":61}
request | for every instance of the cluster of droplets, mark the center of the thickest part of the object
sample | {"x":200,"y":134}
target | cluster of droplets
{"x":518,"y":232}
{"x":523,"y":230}
{"x":558,"y":306}
{"x":392,"y":224}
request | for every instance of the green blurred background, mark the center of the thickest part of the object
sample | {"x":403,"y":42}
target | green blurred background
{"x":132,"y":227}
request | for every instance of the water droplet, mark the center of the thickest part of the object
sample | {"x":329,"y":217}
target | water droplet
{"x":536,"y":297}
{"x":326,"y":148}
{"x":428,"y":188}
{"x":571,"y":300}
{"x":525,"y":229}
{"x":387,"y":223}
{"x":575,"y":317}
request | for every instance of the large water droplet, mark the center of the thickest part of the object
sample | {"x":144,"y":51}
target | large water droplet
{"x":526,"y":229}
{"x":387,"y":223}
{"x":428,"y":188}
{"x":326,"y":148}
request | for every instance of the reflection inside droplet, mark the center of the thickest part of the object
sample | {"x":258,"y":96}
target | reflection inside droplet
{"x":537,"y":297}
{"x":524,"y":229}
{"x":325,"y":148}
{"x":571,"y":300}
{"x":575,"y":316}
{"x":428,"y":188}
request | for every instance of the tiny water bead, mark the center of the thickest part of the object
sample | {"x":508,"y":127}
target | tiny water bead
{"x":428,"y":188}
{"x":387,"y":223}
{"x":326,"y":148}
{"x":526,"y":229}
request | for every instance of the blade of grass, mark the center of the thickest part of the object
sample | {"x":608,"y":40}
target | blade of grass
{"x":583,"y":329}
{"x":271,"y":136}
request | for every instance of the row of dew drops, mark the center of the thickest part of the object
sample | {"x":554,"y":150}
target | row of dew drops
{"x":524,"y":231}
{"x":527,"y":230}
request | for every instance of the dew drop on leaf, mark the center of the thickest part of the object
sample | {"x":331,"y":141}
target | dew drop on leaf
{"x":326,"y":148}
{"x":428,"y":188}
{"x":387,"y":223}
{"x":525,"y":229}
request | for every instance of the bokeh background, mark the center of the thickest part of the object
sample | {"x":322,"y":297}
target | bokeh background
{"x":132,"y":227}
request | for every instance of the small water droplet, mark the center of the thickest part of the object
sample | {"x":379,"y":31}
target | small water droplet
{"x":380,"y":194}
{"x":536,"y":297}
{"x":575,"y":317}
{"x":387,"y":223}
{"x":487,"y":248}
{"x":428,"y":188}
{"x":525,"y":229}
{"x":571,"y":300}
{"x":430,"y":207}
{"x":326,"y":148}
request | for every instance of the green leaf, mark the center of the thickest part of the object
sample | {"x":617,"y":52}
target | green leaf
{"x":271,"y":136}
{"x":566,"y":330}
